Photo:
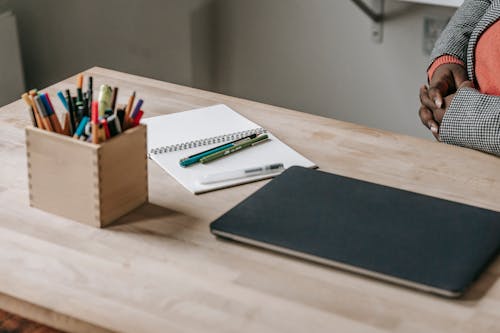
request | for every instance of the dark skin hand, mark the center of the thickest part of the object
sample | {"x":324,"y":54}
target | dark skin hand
{"x":437,"y":97}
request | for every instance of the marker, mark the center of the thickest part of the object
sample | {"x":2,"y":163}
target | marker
{"x":187,"y":161}
{"x":269,"y":169}
{"x":63,"y":100}
{"x":234,"y":149}
{"x":104,"y":123}
{"x":120,"y":113}
{"x":105,"y":93}
{"x":71,"y":109}
{"x":90,"y":92}
{"x":114,"y":125}
{"x":136,"y":109}
{"x":138,"y":117}
{"x":81,"y":127}
{"x":87,"y":132}
{"x":95,"y":122}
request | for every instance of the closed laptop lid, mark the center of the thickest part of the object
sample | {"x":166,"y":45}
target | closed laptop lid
{"x":400,"y":236}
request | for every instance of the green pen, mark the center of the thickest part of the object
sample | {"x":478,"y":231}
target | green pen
{"x":234,"y":149}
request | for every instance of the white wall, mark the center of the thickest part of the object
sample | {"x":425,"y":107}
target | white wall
{"x":11,"y":70}
{"x":153,"y":38}
{"x":311,"y":55}
{"x":317,"y":56}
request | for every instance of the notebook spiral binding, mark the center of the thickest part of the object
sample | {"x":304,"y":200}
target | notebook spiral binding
{"x":207,"y":141}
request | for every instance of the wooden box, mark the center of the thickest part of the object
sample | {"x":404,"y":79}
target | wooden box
{"x":89,"y":183}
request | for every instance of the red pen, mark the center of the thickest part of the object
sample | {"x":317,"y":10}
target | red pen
{"x":95,"y":121}
{"x":104,"y":123}
{"x":138,"y":117}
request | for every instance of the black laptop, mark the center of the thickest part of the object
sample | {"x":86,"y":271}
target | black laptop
{"x":395,"y":235}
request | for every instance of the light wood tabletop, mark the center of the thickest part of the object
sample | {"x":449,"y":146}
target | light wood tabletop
{"x":158,"y":269}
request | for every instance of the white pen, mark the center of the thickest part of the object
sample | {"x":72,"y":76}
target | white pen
{"x":242,"y":173}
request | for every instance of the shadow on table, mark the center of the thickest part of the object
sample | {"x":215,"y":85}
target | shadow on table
{"x":152,"y":219}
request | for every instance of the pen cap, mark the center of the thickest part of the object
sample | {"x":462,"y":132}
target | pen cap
{"x":105,"y":99}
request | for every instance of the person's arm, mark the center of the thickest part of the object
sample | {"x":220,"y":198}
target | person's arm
{"x":472,"y":120}
{"x":447,"y":69}
{"x":455,"y":37}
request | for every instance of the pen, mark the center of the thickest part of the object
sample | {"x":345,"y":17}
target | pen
{"x":224,"y":144}
{"x":120,"y":114}
{"x":113,"y":99}
{"x":90,"y":92}
{"x":243,"y":173}
{"x":136,"y":109}
{"x":81,"y":127}
{"x":105,"y":127}
{"x":71,"y":109}
{"x":196,"y":157}
{"x":138,"y":117}
{"x":95,"y":122}
{"x":63,"y":100}
{"x":234,"y":149}
{"x":113,"y":125}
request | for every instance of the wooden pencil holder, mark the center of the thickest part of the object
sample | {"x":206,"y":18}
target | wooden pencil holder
{"x":90,"y":183}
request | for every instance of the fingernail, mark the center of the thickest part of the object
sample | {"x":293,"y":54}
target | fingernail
{"x":438,"y":103}
{"x":434,"y":129}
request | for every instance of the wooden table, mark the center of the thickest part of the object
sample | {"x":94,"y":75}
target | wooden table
{"x":160,"y":270}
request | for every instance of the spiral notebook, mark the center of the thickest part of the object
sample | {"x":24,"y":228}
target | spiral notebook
{"x":174,"y":136}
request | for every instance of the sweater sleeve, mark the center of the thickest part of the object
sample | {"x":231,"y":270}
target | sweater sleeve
{"x":455,"y":37}
{"x":473,"y":121}
{"x":444,"y":59}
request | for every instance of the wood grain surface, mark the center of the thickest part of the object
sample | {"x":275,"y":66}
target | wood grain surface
{"x":158,"y":269}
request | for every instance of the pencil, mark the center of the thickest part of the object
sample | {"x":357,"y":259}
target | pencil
{"x":52,"y":115}
{"x":45,"y":117}
{"x":130,"y":104}
{"x":38,"y":114}
{"x":79,"y":81}
{"x":33,"y":114}
{"x":66,"y":128}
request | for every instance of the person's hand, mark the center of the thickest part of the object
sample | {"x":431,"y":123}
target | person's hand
{"x":432,"y":118}
{"x":445,"y":81}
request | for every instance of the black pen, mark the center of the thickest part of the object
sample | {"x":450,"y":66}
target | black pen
{"x":90,"y":92}
{"x":71,"y":110}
